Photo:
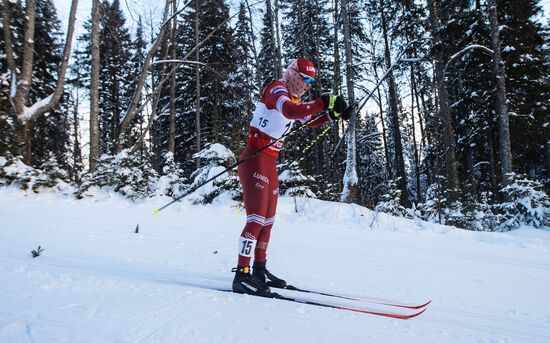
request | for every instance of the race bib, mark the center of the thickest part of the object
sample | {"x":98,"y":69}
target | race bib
{"x":246,"y":246}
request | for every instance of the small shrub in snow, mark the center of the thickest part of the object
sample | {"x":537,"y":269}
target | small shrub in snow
{"x":527,"y":204}
{"x":391,"y":202}
{"x":438,"y":209}
{"x":433,"y":208}
{"x":292,"y":182}
{"x":478,"y":213}
{"x":129,"y":175}
{"x":14,"y":172}
{"x":216,"y":159}
{"x":172,"y":182}
{"x":52,"y":175}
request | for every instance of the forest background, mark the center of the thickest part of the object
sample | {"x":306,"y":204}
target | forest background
{"x":451,"y":122}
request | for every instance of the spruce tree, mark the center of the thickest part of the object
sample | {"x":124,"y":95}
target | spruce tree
{"x":525,"y":53}
{"x":51,"y":132}
{"x":267,"y":58}
{"x":241,"y":81}
{"x":138,"y":52}
{"x":371,"y":163}
{"x":217,"y":93}
{"x":115,"y":43}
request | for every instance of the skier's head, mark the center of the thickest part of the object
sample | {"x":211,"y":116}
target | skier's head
{"x":298,"y":76}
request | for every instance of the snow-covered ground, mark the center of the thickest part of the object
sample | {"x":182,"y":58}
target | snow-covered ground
{"x":98,"y":281}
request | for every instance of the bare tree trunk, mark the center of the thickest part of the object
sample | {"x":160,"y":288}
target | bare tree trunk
{"x":394,"y":115}
{"x":426,"y":134}
{"x":421,"y":111}
{"x":172,"y":133}
{"x":25,"y":79}
{"x":383,"y":123}
{"x":505,"y":148}
{"x":24,"y":140}
{"x":337,"y":78}
{"x":336,"y":81}
{"x":20,"y":85}
{"x":444,"y":111}
{"x":10,"y":55}
{"x":319,"y":156}
{"x":253,"y":36}
{"x":278,"y":66}
{"x":197,"y":84}
{"x":94,"y":89}
{"x":350,"y":189}
{"x":301,"y":34}
{"x":136,"y":97}
{"x":492,"y":153}
{"x":77,"y":153}
{"x":415,"y":145}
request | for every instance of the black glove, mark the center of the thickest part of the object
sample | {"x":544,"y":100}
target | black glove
{"x":347,"y":113}
{"x":336,"y":105}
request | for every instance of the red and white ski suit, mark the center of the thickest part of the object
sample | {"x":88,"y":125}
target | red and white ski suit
{"x":274,"y":115}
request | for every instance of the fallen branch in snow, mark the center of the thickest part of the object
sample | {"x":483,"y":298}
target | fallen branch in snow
{"x":37,"y":252}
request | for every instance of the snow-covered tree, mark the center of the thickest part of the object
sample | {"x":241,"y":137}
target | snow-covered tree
{"x":527,"y":204}
{"x":215,"y":158}
{"x":24,"y":85}
{"x":267,"y":58}
{"x":124,"y":173}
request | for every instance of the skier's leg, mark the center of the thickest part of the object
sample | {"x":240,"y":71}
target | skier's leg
{"x":260,"y":254}
{"x":256,"y":201}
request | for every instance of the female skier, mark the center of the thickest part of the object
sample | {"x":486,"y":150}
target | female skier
{"x":278,"y":108}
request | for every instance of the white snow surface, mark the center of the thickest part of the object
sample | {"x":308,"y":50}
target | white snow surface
{"x":98,"y":281}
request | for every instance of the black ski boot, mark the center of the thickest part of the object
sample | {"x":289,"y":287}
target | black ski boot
{"x":245,"y":282}
{"x":266,"y":277}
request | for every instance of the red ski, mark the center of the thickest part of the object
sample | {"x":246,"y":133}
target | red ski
{"x":363,"y":299}
{"x":387,"y":314}
{"x":357,"y":309}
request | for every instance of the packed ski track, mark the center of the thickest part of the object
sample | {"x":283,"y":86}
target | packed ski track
{"x":99,"y":281}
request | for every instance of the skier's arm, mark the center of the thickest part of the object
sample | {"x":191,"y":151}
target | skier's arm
{"x":276,"y":96}
{"x":337,"y":109}
{"x":301,"y":110}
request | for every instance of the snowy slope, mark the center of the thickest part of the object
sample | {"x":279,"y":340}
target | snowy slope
{"x":98,"y":281}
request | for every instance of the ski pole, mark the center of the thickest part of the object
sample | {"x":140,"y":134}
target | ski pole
{"x":192,"y":189}
{"x":307,"y":150}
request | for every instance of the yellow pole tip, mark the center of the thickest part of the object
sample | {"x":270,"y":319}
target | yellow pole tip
{"x":155,"y":211}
